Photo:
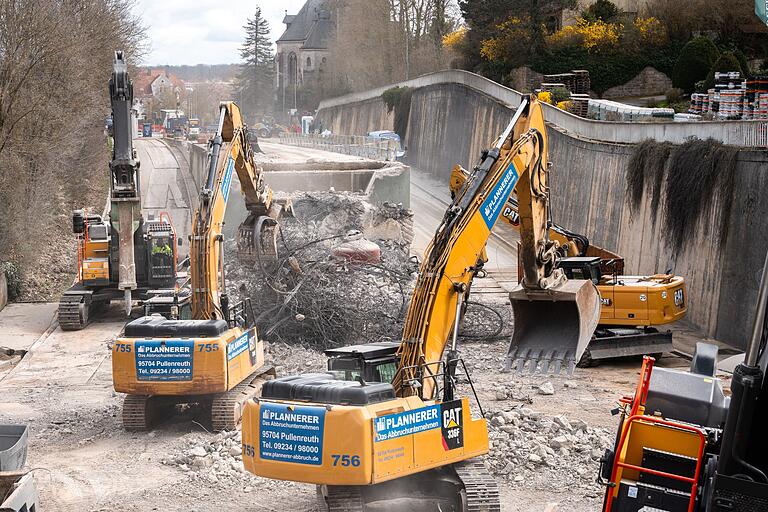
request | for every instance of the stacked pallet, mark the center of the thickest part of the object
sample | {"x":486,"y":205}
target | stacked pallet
{"x":579,"y":105}
{"x":577,"y":81}
{"x":582,"y":82}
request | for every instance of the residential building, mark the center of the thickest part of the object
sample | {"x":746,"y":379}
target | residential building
{"x":155,"y":89}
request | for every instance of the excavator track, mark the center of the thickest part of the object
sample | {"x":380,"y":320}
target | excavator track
{"x":227,"y":408}
{"x":139,"y":412}
{"x":481,"y":489}
{"x":73,"y":312}
{"x":340,"y":498}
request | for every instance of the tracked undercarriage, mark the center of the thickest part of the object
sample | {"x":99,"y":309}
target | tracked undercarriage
{"x":141,"y":413}
{"x":461,"y":487}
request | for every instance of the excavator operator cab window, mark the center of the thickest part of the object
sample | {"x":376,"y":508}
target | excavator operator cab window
{"x":161,"y":256}
{"x":371,"y":371}
{"x":581,"y":267}
{"x":375,"y":362}
{"x":385,"y":372}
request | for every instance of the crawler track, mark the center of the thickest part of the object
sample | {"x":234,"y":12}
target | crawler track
{"x":139,"y":412}
{"x":341,"y":499}
{"x":482,"y":491}
{"x":73,"y":312}
{"x":227,"y":408}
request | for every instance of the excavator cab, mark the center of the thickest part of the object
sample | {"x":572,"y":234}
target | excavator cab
{"x":161,"y":247}
{"x":582,"y":267}
{"x":373,"y":362}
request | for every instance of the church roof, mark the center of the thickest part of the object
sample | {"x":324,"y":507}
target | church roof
{"x":312,"y":26}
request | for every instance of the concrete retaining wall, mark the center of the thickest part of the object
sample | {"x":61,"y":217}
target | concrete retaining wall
{"x":452,"y":123}
{"x":738,"y":133}
{"x":367,"y":116}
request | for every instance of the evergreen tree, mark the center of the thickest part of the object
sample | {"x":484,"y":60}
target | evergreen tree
{"x":255,"y":81}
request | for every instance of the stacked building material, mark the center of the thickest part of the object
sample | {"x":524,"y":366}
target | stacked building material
{"x":606,"y":110}
{"x":551,"y":86}
{"x":580,"y":105}
{"x":733,"y":98}
{"x":582,"y":83}
{"x":756,"y":98}
{"x":732,"y":91}
{"x":697,"y":103}
{"x":577,"y":81}
{"x":567,"y":80}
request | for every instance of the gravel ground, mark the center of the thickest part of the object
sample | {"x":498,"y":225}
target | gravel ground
{"x":544,"y":446}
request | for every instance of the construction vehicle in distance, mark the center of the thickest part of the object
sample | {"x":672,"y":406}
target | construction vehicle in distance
{"x":683,"y":445}
{"x":386,"y":425}
{"x":216,"y":357}
{"x":124,"y":255}
{"x":633,"y":307}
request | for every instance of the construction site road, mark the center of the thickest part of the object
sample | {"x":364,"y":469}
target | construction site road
{"x":165,"y":185}
{"x":285,"y":153}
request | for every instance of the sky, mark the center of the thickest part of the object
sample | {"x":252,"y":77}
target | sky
{"x":210,"y":32}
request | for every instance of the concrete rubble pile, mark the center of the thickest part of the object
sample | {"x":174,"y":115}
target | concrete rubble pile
{"x":344,"y":273}
{"x":539,"y":451}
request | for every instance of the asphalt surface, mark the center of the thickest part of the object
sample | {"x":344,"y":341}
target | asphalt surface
{"x":165,"y":185}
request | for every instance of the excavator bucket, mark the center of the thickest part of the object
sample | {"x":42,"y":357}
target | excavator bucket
{"x":552,"y":327}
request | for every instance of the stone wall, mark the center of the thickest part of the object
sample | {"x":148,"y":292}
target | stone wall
{"x":525,"y":79}
{"x":649,"y":82}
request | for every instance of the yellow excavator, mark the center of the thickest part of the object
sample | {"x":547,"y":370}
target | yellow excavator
{"x":215,"y":357}
{"x":633,"y":307}
{"x":385,"y":426}
{"x":684,"y":445}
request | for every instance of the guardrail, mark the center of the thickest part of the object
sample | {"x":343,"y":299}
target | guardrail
{"x":738,"y":133}
{"x":355,"y":145}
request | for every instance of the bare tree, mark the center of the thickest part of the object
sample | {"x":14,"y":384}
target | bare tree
{"x":385,"y":41}
{"x":55,"y":60}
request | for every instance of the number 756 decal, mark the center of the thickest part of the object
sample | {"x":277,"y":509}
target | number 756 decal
{"x":346,"y":460}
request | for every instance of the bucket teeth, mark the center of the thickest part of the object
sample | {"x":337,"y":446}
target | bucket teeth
{"x":540,"y":362}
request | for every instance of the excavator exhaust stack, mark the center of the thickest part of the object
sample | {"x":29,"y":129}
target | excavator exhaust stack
{"x":552,"y":327}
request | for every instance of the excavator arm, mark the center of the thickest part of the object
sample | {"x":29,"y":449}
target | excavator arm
{"x":125,"y":212}
{"x":517,"y":163}
{"x":571,"y":244}
{"x":230,"y":153}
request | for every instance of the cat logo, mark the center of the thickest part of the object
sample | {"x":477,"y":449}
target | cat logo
{"x":511,"y":215}
{"x":450,"y":424}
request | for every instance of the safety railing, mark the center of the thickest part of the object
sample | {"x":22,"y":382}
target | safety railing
{"x":737,"y":133}
{"x":692,"y":481}
{"x":635,"y":416}
{"x":355,"y":145}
